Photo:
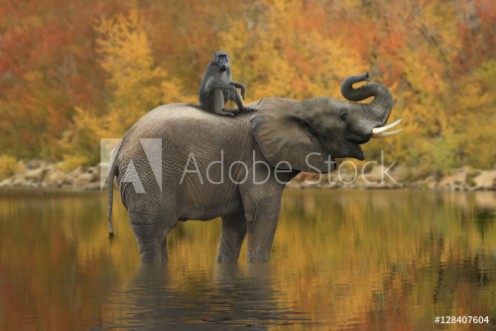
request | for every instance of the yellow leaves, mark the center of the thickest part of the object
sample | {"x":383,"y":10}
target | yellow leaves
{"x":449,"y":126}
{"x":440,"y":27}
{"x":423,"y":80}
{"x":278,"y":76}
{"x":479,"y":146}
{"x":72,"y":161}
{"x":33,"y":76}
{"x":279,"y":5}
{"x":86,"y":121}
{"x":477,"y":92}
{"x":81,"y":142}
{"x":231,"y":41}
{"x":476,"y":116}
{"x":33,"y":21}
{"x":472,"y":98}
{"x":274,"y":58}
{"x":123,"y":32}
{"x":137,"y":84}
{"x":280,"y":48}
{"x":327,"y":63}
{"x":171,"y":91}
{"x":8,"y":166}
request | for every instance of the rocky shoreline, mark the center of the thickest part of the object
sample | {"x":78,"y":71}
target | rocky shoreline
{"x":49,"y":178}
{"x":41,"y":176}
{"x":463,"y":179}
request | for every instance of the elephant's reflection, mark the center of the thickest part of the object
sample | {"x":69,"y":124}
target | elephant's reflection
{"x":230,"y":296}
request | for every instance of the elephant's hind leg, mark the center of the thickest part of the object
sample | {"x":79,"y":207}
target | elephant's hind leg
{"x":151,"y":234}
{"x":231,"y":238}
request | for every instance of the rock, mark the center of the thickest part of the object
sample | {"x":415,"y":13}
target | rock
{"x":456,"y":181}
{"x":379,"y":178}
{"x":56,"y":178}
{"x":399,"y":172}
{"x":486,"y":180}
{"x":35,"y":164}
{"x":6,"y":183}
{"x":429,"y":182}
{"x":93,"y":170}
{"x":375,"y":176}
{"x":77,"y":172}
{"x":83,"y":180}
{"x":36,"y":175}
{"x":20,"y":182}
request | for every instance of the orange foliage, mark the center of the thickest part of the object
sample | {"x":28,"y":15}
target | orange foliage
{"x":427,"y":52}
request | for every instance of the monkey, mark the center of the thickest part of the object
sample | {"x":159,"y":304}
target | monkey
{"x":217,"y":87}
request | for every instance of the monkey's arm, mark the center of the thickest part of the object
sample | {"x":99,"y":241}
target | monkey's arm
{"x":213,"y":85}
{"x":240,"y":86}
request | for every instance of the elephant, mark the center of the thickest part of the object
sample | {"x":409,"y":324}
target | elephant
{"x":179,"y":163}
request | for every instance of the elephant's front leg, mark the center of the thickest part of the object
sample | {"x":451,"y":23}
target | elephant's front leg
{"x":231,"y":238}
{"x":262,"y":208}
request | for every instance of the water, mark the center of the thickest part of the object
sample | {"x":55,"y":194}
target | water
{"x":342,"y":260}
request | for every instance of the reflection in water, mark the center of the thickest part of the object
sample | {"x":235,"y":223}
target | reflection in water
{"x":232,"y":297}
{"x":342,"y":260}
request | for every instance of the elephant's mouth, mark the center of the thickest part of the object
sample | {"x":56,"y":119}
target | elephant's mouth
{"x":357,"y":139}
{"x":352,"y":149}
{"x":353,"y":141}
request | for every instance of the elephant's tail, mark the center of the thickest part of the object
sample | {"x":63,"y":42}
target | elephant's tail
{"x":110,"y":189}
{"x":112,"y":172}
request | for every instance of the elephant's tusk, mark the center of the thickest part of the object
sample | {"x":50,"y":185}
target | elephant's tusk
{"x":385,"y":128}
{"x":385,"y":134}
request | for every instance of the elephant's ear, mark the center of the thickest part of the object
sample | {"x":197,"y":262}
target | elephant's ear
{"x":283,"y":136}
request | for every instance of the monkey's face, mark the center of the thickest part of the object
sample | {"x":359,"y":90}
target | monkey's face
{"x":221,"y":60}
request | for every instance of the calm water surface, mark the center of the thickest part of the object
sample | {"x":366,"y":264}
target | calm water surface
{"x":342,"y":260}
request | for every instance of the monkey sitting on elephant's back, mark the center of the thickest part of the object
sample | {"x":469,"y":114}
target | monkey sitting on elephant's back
{"x":217,"y":87}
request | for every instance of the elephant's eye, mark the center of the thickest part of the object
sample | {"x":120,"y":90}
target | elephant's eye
{"x":343,"y":114}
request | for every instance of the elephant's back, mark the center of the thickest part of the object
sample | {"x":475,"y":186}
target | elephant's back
{"x":184,"y":129}
{"x":167,"y":115}
{"x":168,"y":119}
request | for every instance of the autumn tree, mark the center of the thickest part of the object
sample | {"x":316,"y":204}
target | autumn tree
{"x":277,"y":51}
{"x":135,"y":85}
{"x":90,"y":69}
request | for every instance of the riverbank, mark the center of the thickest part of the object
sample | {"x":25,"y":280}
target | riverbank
{"x":39,"y":176}
{"x":48,"y":178}
{"x":463,"y":179}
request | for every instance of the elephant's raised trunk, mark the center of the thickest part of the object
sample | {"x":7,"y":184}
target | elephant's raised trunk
{"x":379,"y":109}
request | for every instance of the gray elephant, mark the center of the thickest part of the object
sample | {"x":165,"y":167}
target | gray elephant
{"x":179,"y":163}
